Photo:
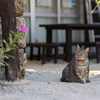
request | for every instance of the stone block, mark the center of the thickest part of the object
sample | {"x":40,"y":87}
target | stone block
{"x":20,"y":21}
{"x":19,"y":7}
{"x":21,"y":42}
{"x":23,"y":61}
{"x":22,"y":57}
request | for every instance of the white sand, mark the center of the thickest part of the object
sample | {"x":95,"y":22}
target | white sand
{"x":45,"y":84}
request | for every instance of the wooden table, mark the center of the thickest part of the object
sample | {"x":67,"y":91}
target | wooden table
{"x":68,"y":28}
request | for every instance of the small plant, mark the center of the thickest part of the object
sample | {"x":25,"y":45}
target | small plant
{"x":97,"y":2}
{"x":13,"y":38}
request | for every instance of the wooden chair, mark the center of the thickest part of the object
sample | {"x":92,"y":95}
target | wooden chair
{"x":45,"y":47}
{"x":46,"y":57}
{"x":88,"y":44}
{"x":64,"y":46}
{"x":98,"y":51}
{"x":38,"y":46}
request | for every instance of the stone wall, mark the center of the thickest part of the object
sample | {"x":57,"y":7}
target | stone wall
{"x":22,"y":44}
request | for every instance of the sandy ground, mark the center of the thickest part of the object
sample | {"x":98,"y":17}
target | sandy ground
{"x":45,"y":84}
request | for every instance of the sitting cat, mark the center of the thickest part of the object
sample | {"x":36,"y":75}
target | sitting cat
{"x":78,"y":68}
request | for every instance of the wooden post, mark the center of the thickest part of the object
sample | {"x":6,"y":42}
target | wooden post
{"x":8,"y":19}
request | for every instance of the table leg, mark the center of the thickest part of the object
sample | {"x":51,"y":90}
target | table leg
{"x":68,"y":53}
{"x":31,"y":53}
{"x":49,"y":40}
{"x":97,"y":53}
{"x":86,"y":37}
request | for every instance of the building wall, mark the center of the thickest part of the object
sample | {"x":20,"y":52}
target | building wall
{"x":71,"y":11}
{"x":41,"y":18}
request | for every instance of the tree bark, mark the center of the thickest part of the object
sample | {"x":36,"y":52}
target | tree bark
{"x":8,"y":19}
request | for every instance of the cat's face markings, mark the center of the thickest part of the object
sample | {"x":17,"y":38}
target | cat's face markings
{"x":81,"y":55}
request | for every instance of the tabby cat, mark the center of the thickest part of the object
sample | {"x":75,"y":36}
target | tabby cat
{"x":78,"y":68}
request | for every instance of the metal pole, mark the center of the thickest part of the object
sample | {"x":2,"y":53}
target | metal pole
{"x":82,"y":18}
{"x":58,"y":18}
{"x":32,"y":20}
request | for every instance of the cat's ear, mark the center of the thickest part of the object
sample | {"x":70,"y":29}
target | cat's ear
{"x":87,"y":50}
{"x":78,"y":47}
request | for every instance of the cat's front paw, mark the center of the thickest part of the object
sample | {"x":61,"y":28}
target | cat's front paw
{"x":82,"y":82}
{"x":88,"y":81}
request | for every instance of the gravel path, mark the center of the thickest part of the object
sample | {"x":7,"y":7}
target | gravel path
{"x":45,"y":84}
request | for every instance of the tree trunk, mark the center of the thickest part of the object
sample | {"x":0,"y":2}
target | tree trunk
{"x":9,"y":24}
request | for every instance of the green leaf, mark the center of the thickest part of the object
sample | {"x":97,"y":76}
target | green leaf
{"x":10,"y":39}
{"x":12,"y":32}
{"x":1,"y":72}
{"x":5,"y":43}
{"x":2,"y":64}
{"x":2,"y":47}
{"x":4,"y":56}
{"x":14,"y":45}
{"x":10,"y":35}
{"x":12,"y":48}
{"x":5,"y":63}
{"x":20,"y":38}
{"x":8,"y":49}
{"x":16,"y":41}
{"x":9,"y":55}
{"x":1,"y":52}
{"x":15,"y":34}
{"x":21,"y":34}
